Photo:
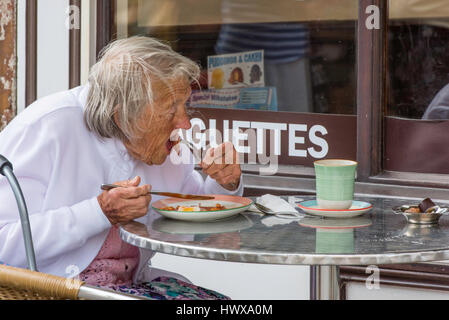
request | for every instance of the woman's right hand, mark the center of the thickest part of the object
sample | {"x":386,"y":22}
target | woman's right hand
{"x":122,"y":205}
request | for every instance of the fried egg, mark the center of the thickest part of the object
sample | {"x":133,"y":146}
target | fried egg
{"x":186,"y":209}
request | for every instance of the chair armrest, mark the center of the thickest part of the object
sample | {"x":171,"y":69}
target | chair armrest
{"x":44,"y":284}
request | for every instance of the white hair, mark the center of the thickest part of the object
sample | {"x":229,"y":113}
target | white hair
{"x":122,"y":83}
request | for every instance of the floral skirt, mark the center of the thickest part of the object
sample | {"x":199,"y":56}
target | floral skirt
{"x":167,"y":288}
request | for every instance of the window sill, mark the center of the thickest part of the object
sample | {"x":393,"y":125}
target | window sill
{"x":429,"y":180}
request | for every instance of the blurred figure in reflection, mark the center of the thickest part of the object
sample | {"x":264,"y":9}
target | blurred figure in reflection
{"x":439,"y":107}
{"x":285,"y":46}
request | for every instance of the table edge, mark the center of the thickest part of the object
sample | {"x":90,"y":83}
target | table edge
{"x":228,"y":255}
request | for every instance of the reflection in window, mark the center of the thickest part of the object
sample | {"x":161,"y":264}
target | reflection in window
{"x":286,"y":56}
{"x":419,"y":59}
{"x":308,"y":49}
{"x":439,"y":107}
{"x":418,"y":87}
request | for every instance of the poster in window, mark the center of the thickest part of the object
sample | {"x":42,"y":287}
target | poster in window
{"x":236,"y":70}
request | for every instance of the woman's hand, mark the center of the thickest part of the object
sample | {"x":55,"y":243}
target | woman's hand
{"x":221,"y":164}
{"x":121,"y":205}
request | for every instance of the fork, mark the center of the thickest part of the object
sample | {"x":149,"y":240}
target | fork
{"x":192,"y":148}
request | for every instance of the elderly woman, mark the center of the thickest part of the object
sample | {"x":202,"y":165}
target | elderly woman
{"x":117,"y":129}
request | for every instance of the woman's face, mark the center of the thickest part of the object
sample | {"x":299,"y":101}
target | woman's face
{"x":159,"y":123}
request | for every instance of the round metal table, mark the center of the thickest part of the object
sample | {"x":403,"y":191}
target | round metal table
{"x":377,"y":237}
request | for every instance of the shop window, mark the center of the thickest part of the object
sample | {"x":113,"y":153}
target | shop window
{"x":304,"y":51}
{"x":416,"y":125}
{"x":278,"y":79}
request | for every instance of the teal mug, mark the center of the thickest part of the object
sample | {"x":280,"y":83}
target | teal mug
{"x":335,"y":180}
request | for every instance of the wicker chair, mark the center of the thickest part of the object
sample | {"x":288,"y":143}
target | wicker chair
{"x":23,"y":284}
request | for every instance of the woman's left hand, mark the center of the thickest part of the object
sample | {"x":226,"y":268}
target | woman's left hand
{"x":221,"y":163}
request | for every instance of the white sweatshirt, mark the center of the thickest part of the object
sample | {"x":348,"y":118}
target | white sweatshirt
{"x":60,"y":166}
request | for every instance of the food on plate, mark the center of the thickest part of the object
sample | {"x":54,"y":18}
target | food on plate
{"x":426,"y":204}
{"x":413,"y":210}
{"x":199,"y":207}
{"x":423,"y":207}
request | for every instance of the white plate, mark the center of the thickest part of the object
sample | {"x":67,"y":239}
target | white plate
{"x":358,"y":208}
{"x":234,"y":205}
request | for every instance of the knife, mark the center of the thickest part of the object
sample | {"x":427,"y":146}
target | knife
{"x":108,"y":187}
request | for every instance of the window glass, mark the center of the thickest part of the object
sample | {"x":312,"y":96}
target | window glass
{"x":294,"y":56}
{"x":418,"y":81}
{"x":419,"y":59}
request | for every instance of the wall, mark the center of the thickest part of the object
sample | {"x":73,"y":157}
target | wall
{"x":21,"y":25}
{"x":53,"y":49}
{"x":7,"y":61}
